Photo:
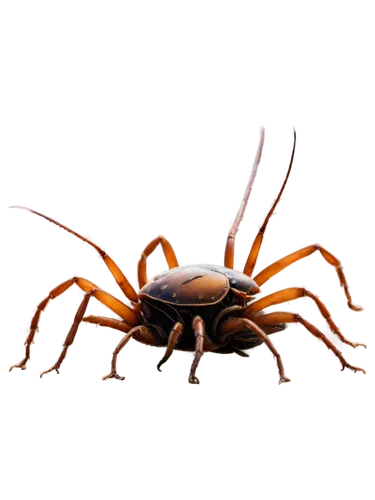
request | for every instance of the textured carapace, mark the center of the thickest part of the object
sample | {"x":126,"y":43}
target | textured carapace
{"x":201,"y":307}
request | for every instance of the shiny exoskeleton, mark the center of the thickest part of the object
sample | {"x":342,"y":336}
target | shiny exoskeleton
{"x":214,"y":293}
{"x":202,"y":307}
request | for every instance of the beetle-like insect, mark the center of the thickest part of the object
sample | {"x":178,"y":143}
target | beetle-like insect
{"x":201,"y":307}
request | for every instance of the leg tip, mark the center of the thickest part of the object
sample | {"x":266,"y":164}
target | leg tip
{"x":158,"y":370}
{"x":284,"y":380}
{"x":17,"y":365}
{"x":357,"y":307}
{"x":113,"y":377}
{"x":193,"y":381}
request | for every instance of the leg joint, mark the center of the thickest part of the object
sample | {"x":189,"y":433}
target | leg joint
{"x":197,"y":320}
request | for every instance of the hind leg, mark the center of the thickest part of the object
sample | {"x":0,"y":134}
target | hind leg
{"x":291,"y":294}
{"x":286,"y":317}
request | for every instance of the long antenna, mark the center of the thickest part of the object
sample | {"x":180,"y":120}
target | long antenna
{"x":229,"y":249}
{"x":75,"y":233}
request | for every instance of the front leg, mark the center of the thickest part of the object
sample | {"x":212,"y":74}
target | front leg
{"x":122,"y":344}
{"x":234,"y":325}
{"x":140,"y":333}
{"x":198,"y":327}
{"x":173,"y":339}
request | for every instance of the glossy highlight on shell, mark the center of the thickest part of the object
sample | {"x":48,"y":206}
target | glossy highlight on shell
{"x":201,"y":307}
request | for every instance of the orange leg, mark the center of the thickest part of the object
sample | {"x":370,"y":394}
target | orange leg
{"x":285,"y":317}
{"x":291,"y":294}
{"x":281,"y":264}
{"x":254,"y":252}
{"x":173,"y":339}
{"x":72,"y":332}
{"x":238,"y":324}
{"x":144,"y":336}
{"x":229,"y":249}
{"x":169,"y":254}
{"x":116,"y":324}
{"x":116,"y":272}
{"x":140,"y":333}
{"x":125,"y":312}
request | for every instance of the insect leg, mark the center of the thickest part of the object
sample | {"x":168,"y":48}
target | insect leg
{"x":254,"y":252}
{"x":116,"y":324}
{"x":198,"y":327}
{"x":238,"y":324}
{"x":281,"y":264}
{"x":173,"y":339}
{"x":140,"y":333}
{"x":144,"y":336}
{"x":125,"y":312}
{"x":169,"y":254}
{"x":291,"y":294}
{"x":286,"y":317}
{"x":72,"y":333}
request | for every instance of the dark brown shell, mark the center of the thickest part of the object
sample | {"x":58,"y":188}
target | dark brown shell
{"x":196,"y":285}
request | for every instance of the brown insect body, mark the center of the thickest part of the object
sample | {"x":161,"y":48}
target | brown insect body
{"x":208,"y":291}
{"x":199,"y":307}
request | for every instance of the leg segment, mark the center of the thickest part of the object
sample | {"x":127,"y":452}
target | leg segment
{"x":254,"y":252}
{"x":229,"y":249}
{"x":169,"y":254}
{"x":238,"y":324}
{"x":116,"y":324}
{"x":140,"y":333}
{"x":291,"y":294}
{"x":281,"y":264}
{"x":72,"y":333}
{"x":198,"y":327}
{"x":174,"y":337}
{"x":116,"y":272}
{"x":285,"y":317}
{"x":144,"y":335}
{"x":122,"y":344}
{"x":125,"y":312}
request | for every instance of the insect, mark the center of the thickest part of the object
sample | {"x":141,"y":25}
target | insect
{"x":199,"y":308}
